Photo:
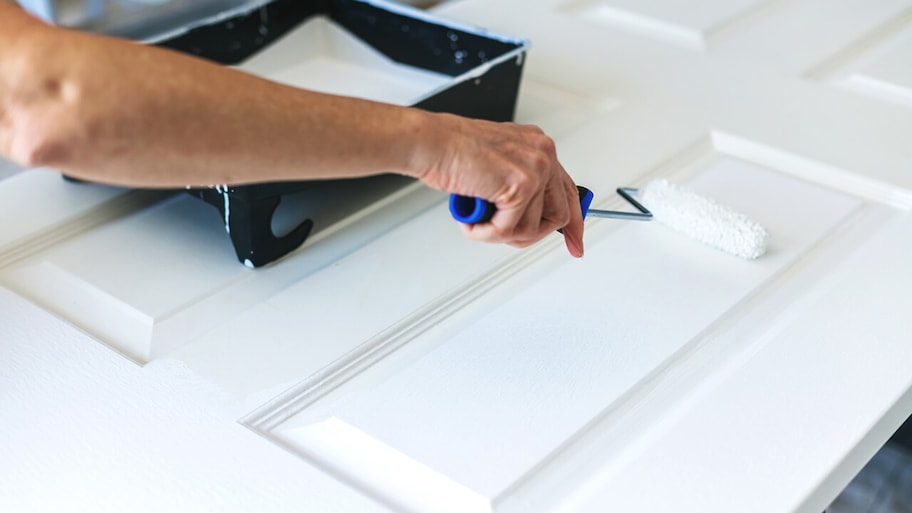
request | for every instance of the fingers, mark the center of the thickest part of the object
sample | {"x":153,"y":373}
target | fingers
{"x":573,"y":230}
{"x":548,"y":212}
{"x":513,"y":166}
{"x":560,"y":211}
{"x":553,"y":206}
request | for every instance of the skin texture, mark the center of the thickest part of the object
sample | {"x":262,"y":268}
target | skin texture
{"x":113,"y":111}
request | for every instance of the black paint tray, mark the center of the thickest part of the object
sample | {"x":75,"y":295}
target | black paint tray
{"x":465,"y":70}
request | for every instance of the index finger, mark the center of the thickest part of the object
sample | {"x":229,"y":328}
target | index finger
{"x":573,"y":231}
{"x":504,"y":224}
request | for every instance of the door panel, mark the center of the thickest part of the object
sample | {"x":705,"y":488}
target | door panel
{"x":691,"y":25}
{"x":416,"y":371}
{"x":8,"y":168}
{"x":877,"y":64}
{"x":561,"y":109}
{"x":38,"y":208}
{"x":502,"y":387}
{"x":775,"y":437}
{"x":149,"y":281}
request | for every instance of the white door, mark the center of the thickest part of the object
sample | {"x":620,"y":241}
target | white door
{"x":389,"y":365}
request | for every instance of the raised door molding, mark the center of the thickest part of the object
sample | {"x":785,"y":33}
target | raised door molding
{"x":426,"y":373}
{"x":694,"y":25}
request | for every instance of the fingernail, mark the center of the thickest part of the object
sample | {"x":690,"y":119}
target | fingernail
{"x":576,"y":248}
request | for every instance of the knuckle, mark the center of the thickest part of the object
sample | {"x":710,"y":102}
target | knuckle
{"x":543,"y":155}
{"x":542,"y":160}
{"x":523,"y":184}
{"x":561,"y":220}
{"x":547,"y":145}
{"x":534,"y":129}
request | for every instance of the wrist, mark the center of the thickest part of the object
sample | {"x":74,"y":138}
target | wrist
{"x":427,"y":139}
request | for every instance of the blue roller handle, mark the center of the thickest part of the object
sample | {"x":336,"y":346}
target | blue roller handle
{"x":471,"y":210}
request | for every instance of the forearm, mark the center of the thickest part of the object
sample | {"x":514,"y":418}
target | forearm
{"x":123,"y":113}
{"x":120,"y":112}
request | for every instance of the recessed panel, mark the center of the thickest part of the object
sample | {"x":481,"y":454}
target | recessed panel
{"x":487,"y":396}
{"x":878,"y":64}
{"x":148,"y":282}
{"x":887,"y":73}
{"x":689,"y":24}
{"x":38,"y":206}
{"x":345,"y":308}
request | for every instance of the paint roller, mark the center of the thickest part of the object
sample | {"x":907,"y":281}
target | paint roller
{"x":672,"y":205}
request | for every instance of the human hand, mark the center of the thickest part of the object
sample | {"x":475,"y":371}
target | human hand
{"x":513,"y":166}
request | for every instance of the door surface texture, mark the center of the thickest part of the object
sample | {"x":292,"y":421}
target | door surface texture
{"x":391,"y":366}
